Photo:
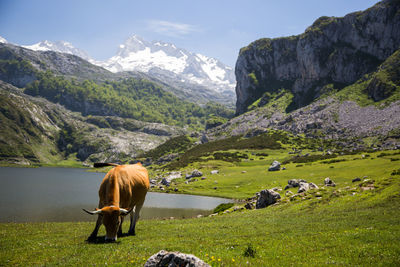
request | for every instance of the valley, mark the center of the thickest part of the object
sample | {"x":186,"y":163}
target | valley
{"x":309,"y":157}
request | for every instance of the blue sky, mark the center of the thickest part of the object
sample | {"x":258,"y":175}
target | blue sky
{"x":215,"y":28}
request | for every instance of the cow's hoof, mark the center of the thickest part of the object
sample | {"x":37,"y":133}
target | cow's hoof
{"x":91,"y":239}
{"x":131,"y":233}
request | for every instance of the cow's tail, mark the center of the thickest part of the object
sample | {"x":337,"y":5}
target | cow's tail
{"x":101,"y":164}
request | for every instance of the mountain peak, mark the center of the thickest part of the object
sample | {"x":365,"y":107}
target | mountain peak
{"x":2,"y":40}
{"x":137,"y":54}
{"x":58,"y":46}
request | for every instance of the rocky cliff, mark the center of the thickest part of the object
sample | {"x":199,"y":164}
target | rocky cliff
{"x":333,"y":51}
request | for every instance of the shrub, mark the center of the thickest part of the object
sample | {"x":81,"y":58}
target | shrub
{"x":222,"y":207}
{"x":249,"y":251}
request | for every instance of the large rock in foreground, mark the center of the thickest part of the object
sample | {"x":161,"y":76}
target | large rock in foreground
{"x":172,"y":259}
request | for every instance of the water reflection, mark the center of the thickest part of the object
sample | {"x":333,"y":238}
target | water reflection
{"x":59,"y":194}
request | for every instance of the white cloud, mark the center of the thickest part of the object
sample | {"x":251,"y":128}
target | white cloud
{"x":172,"y":29}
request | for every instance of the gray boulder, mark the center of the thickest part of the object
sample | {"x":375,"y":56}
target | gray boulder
{"x":214,"y":172}
{"x":275,"y":166}
{"x":329,"y":182}
{"x":267,"y":197}
{"x":165,"y":182}
{"x":294,"y":183}
{"x":303,"y":187}
{"x":197,"y":173}
{"x":172,"y":259}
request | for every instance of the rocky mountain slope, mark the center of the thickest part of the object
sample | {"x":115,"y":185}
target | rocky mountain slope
{"x":59,"y":46}
{"x":340,"y":80}
{"x":35,"y":130}
{"x":59,"y":63}
{"x":331,"y":54}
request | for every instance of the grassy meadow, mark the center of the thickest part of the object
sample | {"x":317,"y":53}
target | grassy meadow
{"x":352,"y":224}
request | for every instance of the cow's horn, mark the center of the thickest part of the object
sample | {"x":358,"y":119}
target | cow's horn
{"x":124,"y":211}
{"x":93,"y":212}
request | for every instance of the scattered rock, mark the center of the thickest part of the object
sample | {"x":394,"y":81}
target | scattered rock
{"x":313,"y":186}
{"x":165,"y":182}
{"x":173,"y":175}
{"x":214,"y":172}
{"x":294,"y":183}
{"x":329,"y":182}
{"x":267,"y":197}
{"x":304,"y":187}
{"x":203,"y":178}
{"x":236,"y":208}
{"x":244,"y":171}
{"x":188,"y":176}
{"x":367,"y":184}
{"x":275,"y":166}
{"x":165,"y":258}
{"x":288,"y":193}
{"x":167,"y":158}
{"x":283,"y":168}
{"x":196,"y":173}
{"x":249,"y":206}
{"x":358,"y":179}
{"x":176,"y":189}
{"x":215,"y":188}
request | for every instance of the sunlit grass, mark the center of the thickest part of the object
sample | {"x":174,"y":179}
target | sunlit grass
{"x":343,"y":225}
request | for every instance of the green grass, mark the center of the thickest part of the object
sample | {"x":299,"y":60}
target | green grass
{"x":328,"y":226}
{"x":240,"y":180}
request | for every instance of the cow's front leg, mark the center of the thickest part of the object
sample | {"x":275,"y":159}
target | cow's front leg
{"x":119,"y":234}
{"x":93,"y":235}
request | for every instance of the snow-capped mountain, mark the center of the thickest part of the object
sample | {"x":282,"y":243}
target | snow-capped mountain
{"x":59,"y":46}
{"x":137,"y":54}
{"x":188,"y":75}
{"x":2,"y":40}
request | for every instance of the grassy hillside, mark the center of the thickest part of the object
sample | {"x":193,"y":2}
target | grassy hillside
{"x":344,"y":225}
{"x":131,"y":98}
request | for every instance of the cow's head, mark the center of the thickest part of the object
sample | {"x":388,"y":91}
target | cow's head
{"x":111,"y":218}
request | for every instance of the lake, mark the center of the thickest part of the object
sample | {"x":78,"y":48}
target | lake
{"x":59,"y":194}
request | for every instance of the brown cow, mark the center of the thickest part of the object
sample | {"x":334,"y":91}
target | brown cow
{"x":123,"y":186}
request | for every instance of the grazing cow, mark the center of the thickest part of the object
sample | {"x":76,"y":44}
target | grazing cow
{"x":122,"y":189}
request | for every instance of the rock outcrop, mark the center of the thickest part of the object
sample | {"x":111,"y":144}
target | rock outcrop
{"x":336,"y":51}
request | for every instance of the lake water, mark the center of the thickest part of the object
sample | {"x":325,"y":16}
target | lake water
{"x":59,"y":194}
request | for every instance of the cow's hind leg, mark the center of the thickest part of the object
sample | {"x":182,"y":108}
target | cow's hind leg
{"x":135,"y":218}
{"x":93,"y":235}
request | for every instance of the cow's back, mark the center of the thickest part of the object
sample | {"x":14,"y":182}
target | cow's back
{"x":133,"y":182}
